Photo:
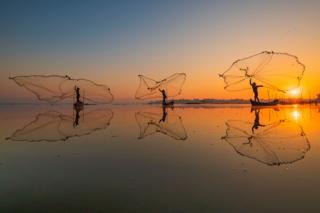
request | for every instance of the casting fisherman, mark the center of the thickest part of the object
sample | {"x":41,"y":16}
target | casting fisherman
{"x":77,"y":90}
{"x":164,"y":97}
{"x":78,"y":104}
{"x":255,"y":87}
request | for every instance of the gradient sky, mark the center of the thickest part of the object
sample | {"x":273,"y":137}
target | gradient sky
{"x":111,"y":42}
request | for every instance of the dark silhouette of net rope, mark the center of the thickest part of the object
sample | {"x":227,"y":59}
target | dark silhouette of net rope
{"x":55,"y":88}
{"x":149,"y":88}
{"x":52,"y":126}
{"x":277,"y":71}
{"x":169,"y":124}
{"x":276,"y":143}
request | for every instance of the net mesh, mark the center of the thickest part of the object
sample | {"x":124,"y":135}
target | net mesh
{"x":149,"y":88}
{"x":54,"y":88}
{"x":54,"y":126}
{"x":166,"y":123}
{"x":274,"y":143}
{"x":279,"y":72}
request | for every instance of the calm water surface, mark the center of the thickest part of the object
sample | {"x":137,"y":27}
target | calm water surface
{"x":149,"y":159}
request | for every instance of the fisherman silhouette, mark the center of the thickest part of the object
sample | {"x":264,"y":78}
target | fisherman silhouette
{"x":77,"y":90}
{"x":255,"y":90}
{"x":164,"y":97}
{"x":78,"y":105}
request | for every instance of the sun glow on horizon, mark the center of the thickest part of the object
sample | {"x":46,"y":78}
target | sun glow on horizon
{"x":295,"y":92}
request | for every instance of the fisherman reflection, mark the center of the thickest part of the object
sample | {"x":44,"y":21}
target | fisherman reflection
{"x":167,"y":123}
{"x":77,"y":106}
{"x":164,"y":114}
{"x":163,"y":118}
{"x":77,"y":117}
{"x":256,"y":123}
{"x":56,"y":126}
{"x":276,"y":142}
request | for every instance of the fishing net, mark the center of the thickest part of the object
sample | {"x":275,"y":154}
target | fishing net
{"x":166,"y":123}
{"x":149,"y":88}
{"x":54,"y":126}
{"x":279,"y":72}
{"x":54,"y":88}
{"x":276,"y":143}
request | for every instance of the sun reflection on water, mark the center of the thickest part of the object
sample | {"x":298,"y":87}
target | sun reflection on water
{"x":296,"y":115}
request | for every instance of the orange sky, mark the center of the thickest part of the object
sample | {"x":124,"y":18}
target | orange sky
{"x":202,"y":43}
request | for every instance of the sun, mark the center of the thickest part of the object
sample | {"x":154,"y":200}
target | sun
{"x":295,"y":92}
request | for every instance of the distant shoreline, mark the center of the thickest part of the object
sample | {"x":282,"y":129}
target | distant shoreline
{"x":237,"y":101}
{"x":178,"y":101}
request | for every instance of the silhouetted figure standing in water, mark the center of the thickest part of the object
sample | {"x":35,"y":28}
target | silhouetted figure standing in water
{"x":164,"y":97}
{"x":78,"y":96}
{"x":78,"y":106}
{"x":255,"y":90}
{"x":77,"y":90}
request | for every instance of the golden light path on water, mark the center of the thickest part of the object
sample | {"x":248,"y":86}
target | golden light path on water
{"x":296,"y":114}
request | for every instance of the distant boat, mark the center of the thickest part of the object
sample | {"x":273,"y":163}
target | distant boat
{"x":269,"y":103}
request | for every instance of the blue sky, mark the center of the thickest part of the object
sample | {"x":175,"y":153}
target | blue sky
{"x":114,"y":41}
{"x":68,"y":24}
